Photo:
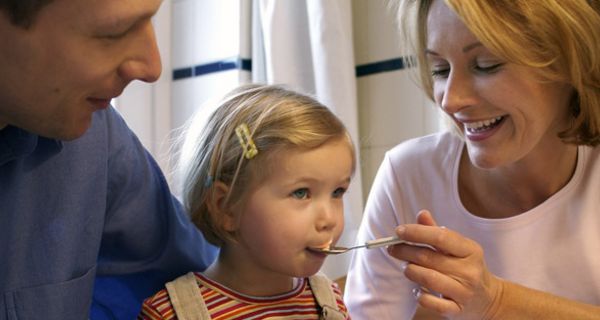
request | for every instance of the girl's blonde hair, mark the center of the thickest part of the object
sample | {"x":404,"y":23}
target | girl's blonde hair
{"x":277,"y":119}
{"x":559,"y":38}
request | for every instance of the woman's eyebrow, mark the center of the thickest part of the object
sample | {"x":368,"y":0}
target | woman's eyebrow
{"x":472,"y":46}
{"x":466,"y":49}
{"x":431,"y":52}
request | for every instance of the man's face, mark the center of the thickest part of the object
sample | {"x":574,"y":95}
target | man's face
{"x":75,"y":57}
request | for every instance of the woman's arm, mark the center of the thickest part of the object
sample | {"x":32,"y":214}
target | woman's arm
{"x":519,"y":302}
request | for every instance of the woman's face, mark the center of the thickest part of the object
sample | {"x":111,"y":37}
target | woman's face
{"x":504,"y":110}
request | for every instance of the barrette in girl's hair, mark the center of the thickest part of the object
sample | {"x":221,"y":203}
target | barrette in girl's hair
{"x":246,"y":141}
{"x":209,"y":181}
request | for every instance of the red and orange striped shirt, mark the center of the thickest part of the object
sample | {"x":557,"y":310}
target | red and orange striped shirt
{"x":223,"y":303}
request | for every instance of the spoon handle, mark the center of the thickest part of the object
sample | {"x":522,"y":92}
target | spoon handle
{"x":381,"y":242}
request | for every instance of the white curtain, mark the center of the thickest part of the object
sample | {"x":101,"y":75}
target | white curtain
{"x":308,"y":45}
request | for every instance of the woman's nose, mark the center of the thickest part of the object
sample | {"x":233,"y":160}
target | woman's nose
{"x":143,"y":63}
{"x":456,"y":93}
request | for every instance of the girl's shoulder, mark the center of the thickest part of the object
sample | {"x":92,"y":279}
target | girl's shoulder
{"x":157,"y":307}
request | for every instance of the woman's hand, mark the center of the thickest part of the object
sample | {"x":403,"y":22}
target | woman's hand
{"x":455,"y":269}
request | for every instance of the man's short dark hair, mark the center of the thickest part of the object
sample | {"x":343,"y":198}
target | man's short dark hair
{"x":22,"y":12}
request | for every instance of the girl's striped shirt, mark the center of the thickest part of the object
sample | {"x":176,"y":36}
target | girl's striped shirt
{"x":224,"y":303}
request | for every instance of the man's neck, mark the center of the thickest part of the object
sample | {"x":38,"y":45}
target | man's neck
{"x":2,"y":125}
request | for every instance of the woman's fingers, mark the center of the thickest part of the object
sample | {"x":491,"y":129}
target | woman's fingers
{"x":447,"y":286}
{"x":440,"y":238}
{"x":424,"y":217}
{"x":436,"y":304}
{"x":421,"y":255}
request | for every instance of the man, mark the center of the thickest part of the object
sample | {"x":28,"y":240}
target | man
{"x":80,"y":198}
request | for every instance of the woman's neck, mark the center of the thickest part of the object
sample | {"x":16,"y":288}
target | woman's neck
{"x":511,"y":190}
{"x":244,"y":276}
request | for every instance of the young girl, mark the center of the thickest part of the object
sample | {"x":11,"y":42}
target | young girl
{"x":265,"y":184}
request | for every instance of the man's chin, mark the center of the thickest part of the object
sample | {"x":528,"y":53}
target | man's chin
{"x":74,"y":135}
{"x":69,"y":133}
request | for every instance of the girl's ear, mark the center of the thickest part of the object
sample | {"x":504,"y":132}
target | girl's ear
{"x":219,"y":210}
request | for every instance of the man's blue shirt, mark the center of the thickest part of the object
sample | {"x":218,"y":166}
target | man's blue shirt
{"x":76,"y":210}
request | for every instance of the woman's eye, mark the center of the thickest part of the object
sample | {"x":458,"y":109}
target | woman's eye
{"x":489,"y":68}
{"x":339,"y":192}
{"x":436,"y":73}
{"x":300,"y":193}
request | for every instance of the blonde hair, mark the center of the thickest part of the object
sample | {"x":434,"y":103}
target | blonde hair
{"x":277,"y":119}
{"x":559,"y":38}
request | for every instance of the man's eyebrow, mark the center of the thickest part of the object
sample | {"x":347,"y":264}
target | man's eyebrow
{"x":126,"y":19}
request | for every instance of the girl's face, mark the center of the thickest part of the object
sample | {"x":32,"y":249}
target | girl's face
{"x":298,"y":205}
{"x":505,"y":112}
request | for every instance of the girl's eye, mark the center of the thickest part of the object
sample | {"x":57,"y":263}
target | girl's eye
{"x":300,"y":193}
{"x":339,"y":192}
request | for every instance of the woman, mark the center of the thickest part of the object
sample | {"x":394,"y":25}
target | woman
{"x":516,"y":186}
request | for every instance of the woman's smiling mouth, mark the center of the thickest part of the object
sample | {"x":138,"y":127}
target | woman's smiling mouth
{"x":479,"y":126}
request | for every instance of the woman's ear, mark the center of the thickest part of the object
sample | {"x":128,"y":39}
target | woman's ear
{"x":218,"y":208}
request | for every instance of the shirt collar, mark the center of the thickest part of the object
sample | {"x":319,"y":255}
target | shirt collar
{"x":16,"y":142}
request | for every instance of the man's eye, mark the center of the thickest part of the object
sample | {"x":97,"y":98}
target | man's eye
{"x":300,"y":193}
{"x":115,"y":36}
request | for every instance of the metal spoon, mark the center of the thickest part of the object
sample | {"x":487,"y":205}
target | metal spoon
{"x":382,"y":242}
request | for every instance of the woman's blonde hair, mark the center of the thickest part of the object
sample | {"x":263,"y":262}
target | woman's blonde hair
{"x":559,"y":38}
{"x":277,"y":119}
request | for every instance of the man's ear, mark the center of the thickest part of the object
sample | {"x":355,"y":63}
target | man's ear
{"x":218,"y":208}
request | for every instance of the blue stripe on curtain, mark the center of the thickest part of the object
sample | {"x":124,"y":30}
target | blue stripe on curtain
{"x":246,"y":64}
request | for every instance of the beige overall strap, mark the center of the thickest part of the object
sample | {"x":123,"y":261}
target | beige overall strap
{"x":186,"y":298}
{"x":321,"y":288}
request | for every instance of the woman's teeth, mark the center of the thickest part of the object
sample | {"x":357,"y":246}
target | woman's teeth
{"x":479,"y":126}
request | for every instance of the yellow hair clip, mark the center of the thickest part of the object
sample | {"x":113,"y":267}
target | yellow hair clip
{"x":246,"y":141}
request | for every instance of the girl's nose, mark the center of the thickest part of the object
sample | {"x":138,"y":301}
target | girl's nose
{"x":328,"y":216}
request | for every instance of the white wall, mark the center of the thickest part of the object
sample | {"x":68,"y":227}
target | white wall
{"x":391,"y":105}
{"x":146,"y":107}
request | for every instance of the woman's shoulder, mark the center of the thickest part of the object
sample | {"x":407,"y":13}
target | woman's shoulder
{"x":589,"y":160}
{"x":434,"y":148}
